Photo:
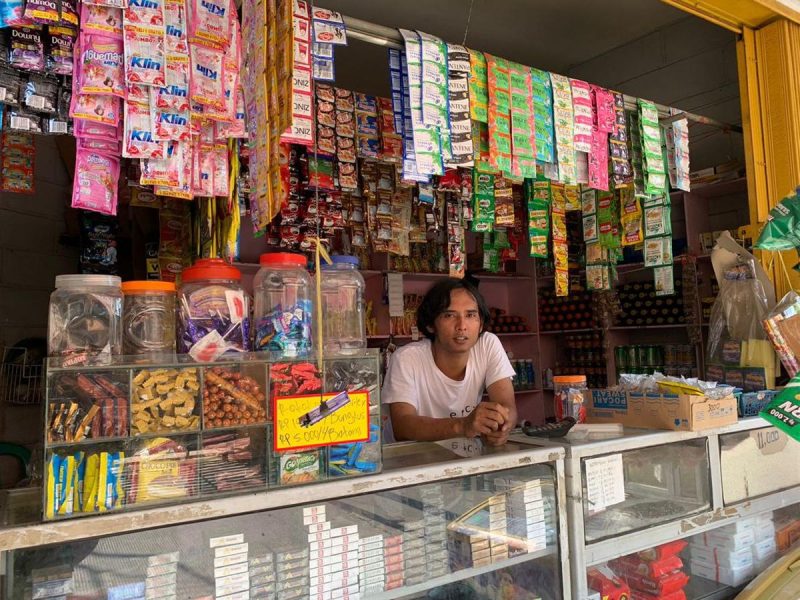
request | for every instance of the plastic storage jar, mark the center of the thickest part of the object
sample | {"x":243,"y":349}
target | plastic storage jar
{"x":213,"y":310}
{"x":283,"y":305}
{"x":342,"y":295}
{"x":85,"y":318}
{"x":569,"y":396}
{"x":148,"y":317}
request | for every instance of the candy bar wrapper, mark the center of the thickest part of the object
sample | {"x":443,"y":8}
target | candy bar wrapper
{"x":483,"y":202}
{"x":583,"y":115}
{"x":564,"y":119}
{"x":458,"y":65}
{"x":664,"y":281}
{"x":478,"y":87}
{"x":543,"y":115}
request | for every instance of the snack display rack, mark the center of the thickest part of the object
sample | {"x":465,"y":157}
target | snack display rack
{"x":496,"y":516}
{"x":135,"y":433}
{"x":634,"y":490}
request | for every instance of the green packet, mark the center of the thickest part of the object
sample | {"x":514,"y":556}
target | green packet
{"x":784,"y":410}
{"x":782,"y":229}
{"x":483,"y":199}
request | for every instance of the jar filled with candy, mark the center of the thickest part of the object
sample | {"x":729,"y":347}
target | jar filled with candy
{"x":85,"y":318}
{"x":213,"y":311}
{"x":342,"y":296}
{"x":569,"y":391}
{"x":148,"y":317}
{"x":283,"y":305}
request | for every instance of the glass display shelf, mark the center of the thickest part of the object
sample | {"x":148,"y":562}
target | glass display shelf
{"x":446,"y":520}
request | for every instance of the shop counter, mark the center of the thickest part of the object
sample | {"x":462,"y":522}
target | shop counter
{"x":633,"y":490}
{"x":447,"y":520}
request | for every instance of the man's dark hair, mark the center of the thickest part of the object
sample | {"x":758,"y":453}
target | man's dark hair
{"x":437,"y":300}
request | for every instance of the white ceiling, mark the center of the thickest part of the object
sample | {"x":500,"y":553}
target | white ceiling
{"x":550,"y":34}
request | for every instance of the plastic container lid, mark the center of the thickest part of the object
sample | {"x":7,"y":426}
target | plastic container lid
{"x":285,"y":259}
{"x":148,"y":287}
{"x":63,"y":281}
{"x":569,"y":379}
{"x":341,"y":259}
{"x":210,"y":268}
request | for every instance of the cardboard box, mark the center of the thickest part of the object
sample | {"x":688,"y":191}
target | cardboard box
{"x":674,"y":412}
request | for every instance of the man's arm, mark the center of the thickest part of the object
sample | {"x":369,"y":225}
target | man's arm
{"x":502,"y":393}
{"x":408,"y":425}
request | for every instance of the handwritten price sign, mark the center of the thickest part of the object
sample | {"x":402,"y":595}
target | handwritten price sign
{"x":300,"y":422}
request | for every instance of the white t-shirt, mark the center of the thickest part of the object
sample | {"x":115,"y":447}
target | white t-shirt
{"x":413,"y":377}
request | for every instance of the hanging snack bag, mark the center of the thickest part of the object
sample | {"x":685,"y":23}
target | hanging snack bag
{"x":101,"y":69}
{"x":144,"y":55}
{"x":96,"y":181}
{"x":631,"y":218}
{"x":102,"y":20}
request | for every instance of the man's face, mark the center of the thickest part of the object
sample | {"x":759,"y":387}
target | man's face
{"x":457,"y":328}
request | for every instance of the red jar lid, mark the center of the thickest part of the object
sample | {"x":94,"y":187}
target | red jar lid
{"x":210,"y":268}
{"x":283,"y":258}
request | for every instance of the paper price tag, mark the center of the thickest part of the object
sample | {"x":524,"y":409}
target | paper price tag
{"x":605,"y":482}
{"x":311,"y":421}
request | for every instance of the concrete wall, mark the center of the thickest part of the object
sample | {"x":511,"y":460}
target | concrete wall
{"x":30,"y":258}
{"x":690,"y":65}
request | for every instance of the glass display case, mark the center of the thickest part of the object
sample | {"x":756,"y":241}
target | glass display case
{"x":756,"y":462}
{"x":451,"y":520}
{"x":129,"y":434}
{"x":633,"y":493}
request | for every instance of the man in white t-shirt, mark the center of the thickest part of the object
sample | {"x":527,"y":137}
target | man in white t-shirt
{"x":434,"y":387}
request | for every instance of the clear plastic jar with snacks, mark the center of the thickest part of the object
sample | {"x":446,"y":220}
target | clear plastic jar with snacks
{"x":213,"y":310}
{"x":283,"y":312}
{"x":148,"y":317}
{"x":342,"y":295}
{"x":569,"y":396}
{"x":85,"y":318}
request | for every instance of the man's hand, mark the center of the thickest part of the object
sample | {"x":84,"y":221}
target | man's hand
{"x":497,"y":438}
{"x":487,"y":418}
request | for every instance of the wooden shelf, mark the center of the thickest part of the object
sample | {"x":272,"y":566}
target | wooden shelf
{"x":633,"y":327}
{"x":568,"y":331}
{"x":515,"y":334}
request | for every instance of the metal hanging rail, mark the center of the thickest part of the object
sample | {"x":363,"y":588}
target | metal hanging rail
{"x":379,"y":35}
